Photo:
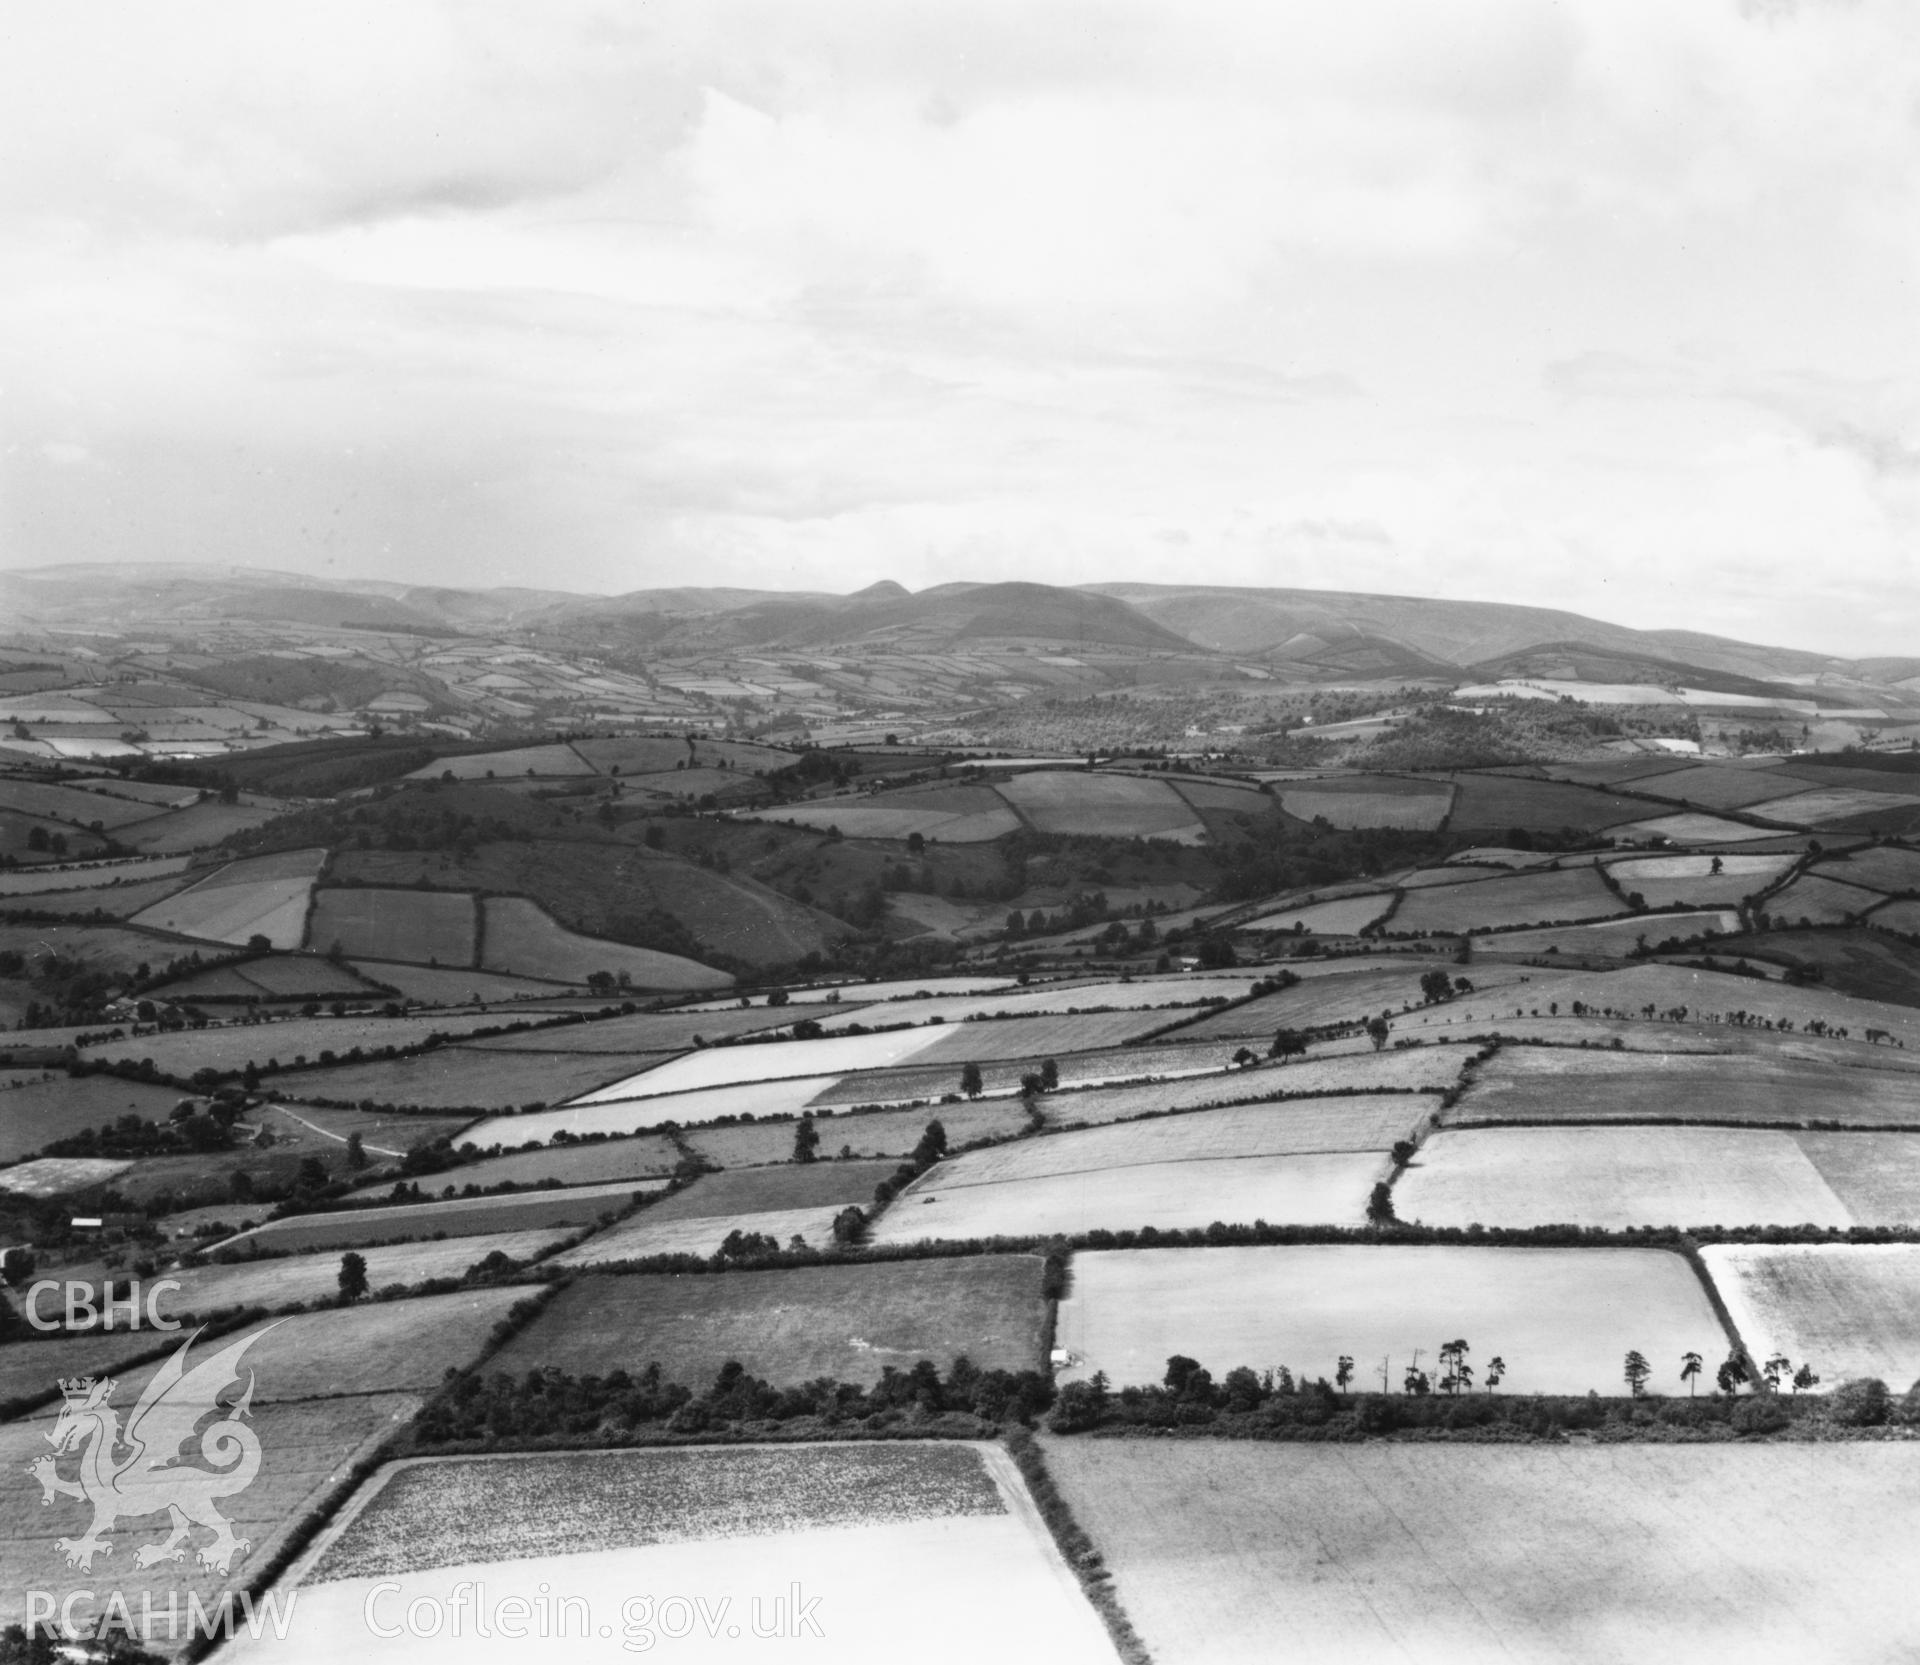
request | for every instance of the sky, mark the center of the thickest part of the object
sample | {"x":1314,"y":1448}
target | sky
{"x":1600,"y":304}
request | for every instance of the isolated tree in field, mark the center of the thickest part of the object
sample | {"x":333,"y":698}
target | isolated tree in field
{"x":1243,"y":1057}
{"x":1343,"y":1375}
{"x":356,"y":1151}
{"x":1380,"y":1205}
{"x":1804,"y":1378}
{"x":1377,"y":1032}
{"x":1435,"y":986}
{"x":1049,"y":1075}
{"x":1690,"y":1364}
{"x":806,"y":1140}
{"x":1637,"y":1370}
{"x":1715,"y":869}
{"x":1288,"y":1043}
{"x":970,"y":1082}
{"x":1496,"y":1370}
{"x":353,"y":1276}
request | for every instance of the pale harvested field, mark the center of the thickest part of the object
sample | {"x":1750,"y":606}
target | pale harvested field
{"x":1113,"y":806}
{"x":1615,"y":939}
{"x":876,"y":1536}
{"x":435,"y":926}
{"x":1170,"y":1060}
{"x":273,"y":908}
{"x":1877,"y":1175}
{"x":1304,"y":1190}
{"x":1664,"y":880}
{"x":1817,"y":901}
{"x":1562,"y":1319}
{"x":638,"y":1115}
{"x":519,"y":936}
{"x":1524,"y":899}
{"x":1413,"y":807}
{"x":1849,"y":1310}
{"x":773,"y":1060}
{"x":1044,"y":1035}
{"x":58,"y":1176}
{"x":1526,"y":1083}
{"x":887,"y":1133}
{"x":1298,"y":1127}
{"x":1239,"y":1554}
{"x":642,"y":1236}
{"x":1817,"y":808}
{"x":314,"y":1277}
{"x":1616,"y":1177}
{"x":1689,"y":827}
{"x":1432,"y":1068}
{"x":1343,"y":918}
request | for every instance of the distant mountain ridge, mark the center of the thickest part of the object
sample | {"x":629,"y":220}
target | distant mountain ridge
{"x":1299,"y":634}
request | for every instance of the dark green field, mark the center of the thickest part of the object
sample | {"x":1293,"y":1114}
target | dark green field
{"x":848,"y":1322}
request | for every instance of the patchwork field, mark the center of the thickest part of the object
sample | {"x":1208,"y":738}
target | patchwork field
{"x":885,"y":1133}
{"x":1419,"y":806}
{"x":1498,"y":802}
{"x":643,"y":1032}
{"x":943,"y":814}
{"x":271,"y":977}
{"x":521,"y":937}
{"x":1561,"y":1319}
{"x":1710,"y":786}
{"x":38,"y":1111}
{"x":1139,"y":994}
{"x":1611,"y":939}
{"x":1812,"y":900}
{"x":1617,"y":1177}
{"x":1306,"y":1190}
{"x":1823,"y":806}
{"x":642,"y":1236}
{"x":434,"y":926}
{"x":1687,"y":828}
{"x":99,"y":876}
{"x":316,"y":1277}
{"x":1876,"y":1175}
{"x":1665,"y":880}
{"x":847,"y":1322}
{"x":439,"y":986}
{"x":876,"y":1535}
{"x":580,"y":1205}
{"x":1354,"y":1555}
{"x":63,"y":803}
{"x":646,"y":1156}
{"x":1848,"y":1310}
{"x":1524,"y":899}
{"x":121,"y":900}
{"x":1113,"y":806}
{"x":782,"y":1187}
{"x":1348,"y":916}
{"x":463,"y":1078}
{"x":262,"y":896}
{"x":1886,"y":867}
{"x":786,"y":1096}
{"x":197,"y":827}
{"x":1525,"y":1083}
{"x":1405,"y":1069}
{"x":526,"y":760}
{"x":773,"y":1061}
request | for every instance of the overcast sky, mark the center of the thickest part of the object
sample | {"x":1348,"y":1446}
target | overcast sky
{"x":1604,"y":305}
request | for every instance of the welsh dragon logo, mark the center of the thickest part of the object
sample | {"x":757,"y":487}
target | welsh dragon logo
{"x":136,"y":1471}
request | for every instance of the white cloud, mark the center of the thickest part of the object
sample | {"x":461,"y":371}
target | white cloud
{"x":1604,"y":303}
